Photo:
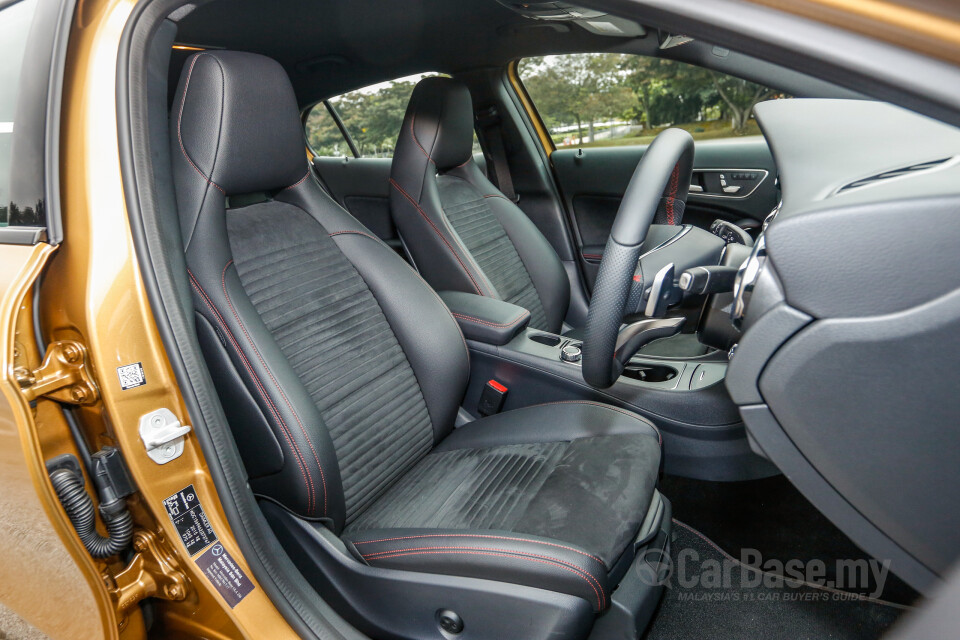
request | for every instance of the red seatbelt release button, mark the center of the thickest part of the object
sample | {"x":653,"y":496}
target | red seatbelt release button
{"x":492,"y":398}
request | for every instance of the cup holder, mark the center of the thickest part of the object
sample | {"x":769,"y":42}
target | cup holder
{"x":650,"y":372}
{"x":546,"y":338}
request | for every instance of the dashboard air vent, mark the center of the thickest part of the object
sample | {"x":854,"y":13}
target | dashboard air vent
{"x":893,"y":173}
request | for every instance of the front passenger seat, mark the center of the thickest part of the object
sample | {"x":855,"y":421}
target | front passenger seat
{"x":341,"y":373}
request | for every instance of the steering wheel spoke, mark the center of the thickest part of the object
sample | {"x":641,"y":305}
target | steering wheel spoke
{"x":638,"y":334}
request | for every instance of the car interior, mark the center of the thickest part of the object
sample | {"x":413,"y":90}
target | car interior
{"x":487,"y":380}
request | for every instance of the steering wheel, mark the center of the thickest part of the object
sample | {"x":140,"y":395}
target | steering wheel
{"x":659,"y":187}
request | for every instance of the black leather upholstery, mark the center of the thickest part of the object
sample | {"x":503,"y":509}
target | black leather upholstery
{"x":341,"y":372}
{"x":463,"y":234}
{"x":546,"y":474}
{"x":486,"y":319}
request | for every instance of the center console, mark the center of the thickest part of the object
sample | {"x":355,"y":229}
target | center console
{"x":703,"y":434}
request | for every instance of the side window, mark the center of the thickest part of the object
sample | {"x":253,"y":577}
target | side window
{"x":26,"y":36}
{"x":371,"y":119}
{"x":609,"y":99}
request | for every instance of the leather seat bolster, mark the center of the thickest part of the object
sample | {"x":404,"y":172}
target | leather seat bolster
{"x":539,"y":257}
{"x":498,"y":555}
{"x":309,"y":479}
{"x":485,"y":319}
{"x":434,"y":245}
{"x":550,"y":422}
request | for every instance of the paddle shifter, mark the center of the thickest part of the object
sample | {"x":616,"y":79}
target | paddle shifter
{"x":637,"y":335}
{"x":665,"y":293}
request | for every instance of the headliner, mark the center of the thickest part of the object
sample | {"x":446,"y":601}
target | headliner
{"x":332,"y":47}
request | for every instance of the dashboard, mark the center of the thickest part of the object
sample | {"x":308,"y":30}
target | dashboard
{"x":849,"y":307}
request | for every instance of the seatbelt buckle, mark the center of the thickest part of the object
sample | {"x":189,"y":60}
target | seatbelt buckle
{"x":492,"y":398}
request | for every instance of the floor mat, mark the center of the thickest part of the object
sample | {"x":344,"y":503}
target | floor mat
{"x":772,"y":517}
{"x":711,"y":595}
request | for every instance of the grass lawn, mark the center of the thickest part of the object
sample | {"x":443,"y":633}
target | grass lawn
{"x":699,"y":131}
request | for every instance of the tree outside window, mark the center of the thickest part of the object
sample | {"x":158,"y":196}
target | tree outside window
{"x":617,"y":99}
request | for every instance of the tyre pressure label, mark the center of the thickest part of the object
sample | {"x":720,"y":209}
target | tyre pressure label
{"x":187,"y":514}
{"x":225,"y":574}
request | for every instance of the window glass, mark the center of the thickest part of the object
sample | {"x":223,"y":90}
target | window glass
{"x":15,"y":26}
{"x":372,"y":117}
{"x":608,"y":99}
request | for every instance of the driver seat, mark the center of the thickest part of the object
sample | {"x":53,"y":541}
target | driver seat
{"x":463,"y":234}
{"x":341,"y":373}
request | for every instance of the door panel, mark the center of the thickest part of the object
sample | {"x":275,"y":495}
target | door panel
{"x":593,"y":181}
{"x":362,"y":187}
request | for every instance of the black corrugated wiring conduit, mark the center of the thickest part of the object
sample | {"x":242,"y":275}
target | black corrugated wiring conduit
{"x":79,"y":507}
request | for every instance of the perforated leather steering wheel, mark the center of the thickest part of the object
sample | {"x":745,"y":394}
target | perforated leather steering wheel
{"x":660,"y":183}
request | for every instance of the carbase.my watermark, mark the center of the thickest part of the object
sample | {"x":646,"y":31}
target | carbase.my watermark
{"x":692,"y":571}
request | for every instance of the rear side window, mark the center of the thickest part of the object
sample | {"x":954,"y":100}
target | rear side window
{"x":608,"y":99}
{"x":369,"y":120}
{"x":27,"y":29}
{"x":371,"y":117}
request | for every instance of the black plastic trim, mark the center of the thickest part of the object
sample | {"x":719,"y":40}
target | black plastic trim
{"x":51,"y":152}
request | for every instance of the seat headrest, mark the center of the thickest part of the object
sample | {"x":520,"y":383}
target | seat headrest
{"x":235,"y":120}
{"x":439,"y":120}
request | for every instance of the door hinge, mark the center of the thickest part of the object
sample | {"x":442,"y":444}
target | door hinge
{"x":152,"y":572}
{"x":64,"y":375}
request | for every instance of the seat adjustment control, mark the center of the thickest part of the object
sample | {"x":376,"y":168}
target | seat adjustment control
{"x":449,"y":621}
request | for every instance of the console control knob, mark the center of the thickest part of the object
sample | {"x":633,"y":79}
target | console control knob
{"x":571,"y":353}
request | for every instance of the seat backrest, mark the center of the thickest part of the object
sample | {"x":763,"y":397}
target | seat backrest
{"x":462,"y":233}
{"x":338,"y":367}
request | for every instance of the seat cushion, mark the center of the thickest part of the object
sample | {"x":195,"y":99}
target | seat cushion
{"x":549,"y":496}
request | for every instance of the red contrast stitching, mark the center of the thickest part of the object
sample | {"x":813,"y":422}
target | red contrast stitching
{"x":298,"y":182}
{"x":674,"y":180}
{"x":592,"y":580}
{"x":629,"y":414}
{"x":474,"y":535}
{"x":430,"y":222}
{"x":323,"y":481}
{"x":298,"y":456}
{"x":413,"y":135}
{"x":183,"y":101}
{"x":592,"y":255}
{"x":356,"y":233}
{"x":490,"y":324}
